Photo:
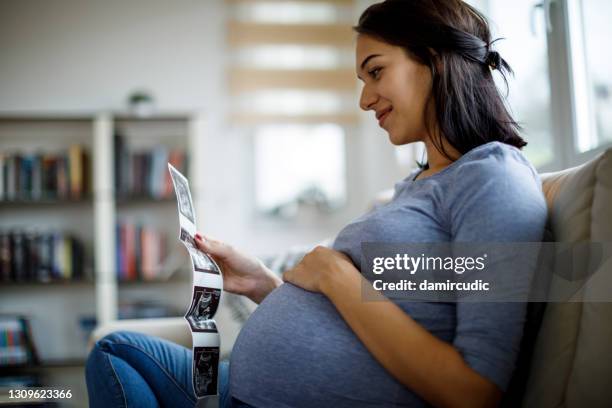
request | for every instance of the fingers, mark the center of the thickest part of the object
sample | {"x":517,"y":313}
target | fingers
{"x":289,"y":274}
{"x":212,"y":246}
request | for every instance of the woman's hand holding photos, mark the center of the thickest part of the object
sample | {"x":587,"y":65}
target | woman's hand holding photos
{"x":242,"y":274}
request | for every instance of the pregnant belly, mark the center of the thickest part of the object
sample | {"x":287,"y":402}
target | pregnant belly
{"x":296,"y":350}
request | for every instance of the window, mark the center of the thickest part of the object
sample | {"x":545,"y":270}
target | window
{"x":293,"y":87}
{"x":524,"y":45}
{"x":299,"y":164}
{"x":596,"y":28}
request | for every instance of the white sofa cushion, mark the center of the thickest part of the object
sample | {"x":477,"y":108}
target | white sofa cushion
{"x":572,"y":361}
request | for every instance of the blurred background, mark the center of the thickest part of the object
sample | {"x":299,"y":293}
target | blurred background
{"x":256,"y":101}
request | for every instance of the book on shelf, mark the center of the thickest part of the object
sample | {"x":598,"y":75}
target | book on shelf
{"x":44,"y":176}
{"x":27,"y":256}
{"x":16,"y":345}
{"x":144,"y":173}
{"x":141,"y":252}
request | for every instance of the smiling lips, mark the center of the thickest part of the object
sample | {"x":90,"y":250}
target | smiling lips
{"x":382,"y":115}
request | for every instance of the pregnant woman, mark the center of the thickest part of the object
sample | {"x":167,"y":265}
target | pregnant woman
{"x":427,"y":71}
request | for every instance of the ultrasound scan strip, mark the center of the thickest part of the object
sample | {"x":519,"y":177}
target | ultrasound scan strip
{"x":205,"y":296}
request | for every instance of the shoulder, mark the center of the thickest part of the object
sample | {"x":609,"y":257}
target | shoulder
{"x":496,"y":166}
{"x":495,"y":192}
{"x":497,"y":158}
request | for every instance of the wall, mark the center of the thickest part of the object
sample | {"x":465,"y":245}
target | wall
{"x":87,"y":55}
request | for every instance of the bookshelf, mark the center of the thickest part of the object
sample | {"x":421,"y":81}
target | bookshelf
{"x":42,"y":213}
{"x":57,"y":308}
{"x":145,"y":206}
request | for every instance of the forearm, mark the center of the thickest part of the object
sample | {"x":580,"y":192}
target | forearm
{"x":430,"y":367}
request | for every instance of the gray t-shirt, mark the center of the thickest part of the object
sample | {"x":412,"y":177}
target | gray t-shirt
{"x":297,"y":351}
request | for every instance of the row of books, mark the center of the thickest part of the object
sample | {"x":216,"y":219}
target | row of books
{"x":16,"y":347}
{"x":43,"y":176}
{"x":145,"y":173}
{"x":141,"y":251}
{"x":27,"y":256}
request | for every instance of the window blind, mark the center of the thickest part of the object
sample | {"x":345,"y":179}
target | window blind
{"x":291,"y":62}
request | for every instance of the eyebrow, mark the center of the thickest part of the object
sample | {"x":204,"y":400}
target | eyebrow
{"x":365,"y":61}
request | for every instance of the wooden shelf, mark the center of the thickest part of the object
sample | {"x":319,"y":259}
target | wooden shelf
{"x":44,"y":365}
{"x":132,"y":284}
{"x":161,"y":117}
{"x":24,"y":116}
{"x":45,"y":117}
{"x":46,"y":202}
{"x":143,"y":199}
{"x":34,"y":285}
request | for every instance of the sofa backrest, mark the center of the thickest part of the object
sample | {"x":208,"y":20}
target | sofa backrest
{"x":571,"y":364}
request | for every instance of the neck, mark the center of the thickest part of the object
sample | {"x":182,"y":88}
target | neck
{"x":435,"y":159}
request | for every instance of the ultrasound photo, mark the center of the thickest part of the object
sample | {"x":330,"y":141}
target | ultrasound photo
{"x":183,"y":195}
{"x":204,"y":305}
{"x":186,"y":237}
{"x":205,"y":367}
{"x":201,"y":261}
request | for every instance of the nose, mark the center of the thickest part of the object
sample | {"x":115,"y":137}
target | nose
{"x":368,"y":98}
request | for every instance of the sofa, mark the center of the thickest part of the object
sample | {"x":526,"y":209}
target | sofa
{"x":568,"y":350}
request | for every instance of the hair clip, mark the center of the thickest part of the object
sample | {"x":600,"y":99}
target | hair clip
{"x":493,"y":59}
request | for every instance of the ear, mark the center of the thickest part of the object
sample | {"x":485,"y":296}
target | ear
{"x":437,"y":60}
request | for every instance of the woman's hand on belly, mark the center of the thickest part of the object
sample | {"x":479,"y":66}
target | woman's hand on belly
{"x":242,"y":274}
{"x":315,"y":269}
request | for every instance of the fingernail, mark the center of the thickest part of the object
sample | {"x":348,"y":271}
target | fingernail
{"x":198,"y":236}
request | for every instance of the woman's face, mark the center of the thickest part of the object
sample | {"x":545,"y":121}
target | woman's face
{"x":396,"y":88}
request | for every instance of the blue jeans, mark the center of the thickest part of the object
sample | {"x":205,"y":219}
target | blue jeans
{"x":128,"y":369}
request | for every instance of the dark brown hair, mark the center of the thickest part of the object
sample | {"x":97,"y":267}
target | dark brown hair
{"x":453,"y":40}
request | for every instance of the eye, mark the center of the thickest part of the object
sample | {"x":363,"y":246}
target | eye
{"x":375,"y":72}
